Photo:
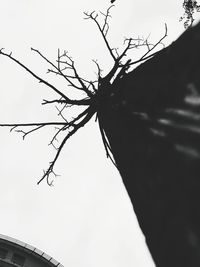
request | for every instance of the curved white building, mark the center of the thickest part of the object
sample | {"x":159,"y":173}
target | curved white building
{"x":19,"y":254}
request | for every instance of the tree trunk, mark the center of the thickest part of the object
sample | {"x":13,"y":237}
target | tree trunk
{"x":152,"y":121}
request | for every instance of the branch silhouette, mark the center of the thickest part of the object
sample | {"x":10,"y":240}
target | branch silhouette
{"x":95,"y":91}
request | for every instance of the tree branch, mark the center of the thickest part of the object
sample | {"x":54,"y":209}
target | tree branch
{"x":65,"y":67}
{"x":103,"y":29}
{"x":50,"y":170}
{"x":152,"y":48}
{"x":68,"y":100}
{"x":59,"y":71}
{"x":81,"y":102}
{"x":31,"y":124}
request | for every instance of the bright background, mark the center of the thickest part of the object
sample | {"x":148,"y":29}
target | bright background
{"x":86,"y":219}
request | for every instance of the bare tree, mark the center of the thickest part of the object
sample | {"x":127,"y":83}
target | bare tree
{"x":94,"y":91}
{"x":149,"y":121}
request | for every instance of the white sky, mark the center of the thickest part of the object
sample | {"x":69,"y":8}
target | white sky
{"x":86,"y":219}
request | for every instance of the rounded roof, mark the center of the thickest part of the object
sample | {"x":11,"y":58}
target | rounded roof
{"x":30,"y":249}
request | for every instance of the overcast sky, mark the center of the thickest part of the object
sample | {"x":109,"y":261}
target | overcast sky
{"x":86,"y":218}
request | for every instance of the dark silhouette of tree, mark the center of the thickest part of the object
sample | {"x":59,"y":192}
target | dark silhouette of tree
{"x":94,"y":90}
{"x":152,"y":123}
{"x":149,"y":119}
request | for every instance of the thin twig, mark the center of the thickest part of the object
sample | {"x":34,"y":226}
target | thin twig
{"x":154,"y":46}
{"x":94,"y":16}
{"x":59,"y":71}
{"x":31,"y":124}
{"x":81,"y":102}
{"x":35,"y":76}
{"x":26,"y":133}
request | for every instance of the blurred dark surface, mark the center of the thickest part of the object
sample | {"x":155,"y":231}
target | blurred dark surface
{"x":152,"y":120}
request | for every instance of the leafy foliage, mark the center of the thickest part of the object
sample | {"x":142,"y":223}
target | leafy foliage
{"x":190,"y":7}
